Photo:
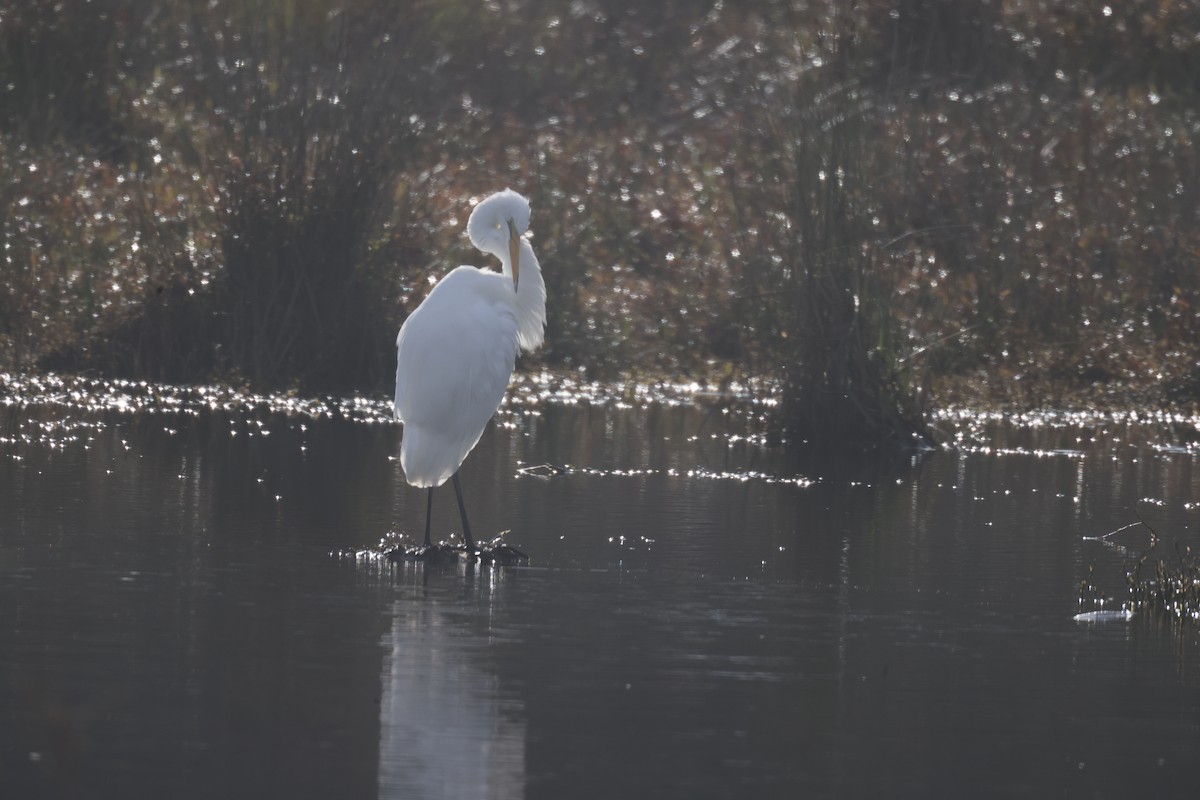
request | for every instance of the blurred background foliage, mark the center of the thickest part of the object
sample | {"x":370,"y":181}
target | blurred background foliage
{"x":875,"y":203}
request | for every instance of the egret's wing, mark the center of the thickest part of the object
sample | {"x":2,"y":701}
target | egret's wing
{"x":454,"y":358}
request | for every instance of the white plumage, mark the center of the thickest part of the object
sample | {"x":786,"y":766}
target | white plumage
{"x":455,"y":353}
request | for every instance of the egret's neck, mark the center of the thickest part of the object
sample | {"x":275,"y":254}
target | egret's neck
{"x":530,"y":296}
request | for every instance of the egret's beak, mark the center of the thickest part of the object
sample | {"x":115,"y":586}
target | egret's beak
{"x":514,"y":252}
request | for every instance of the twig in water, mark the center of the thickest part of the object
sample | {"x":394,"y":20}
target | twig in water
{"x":1104,"y":536}
{"x":1153,"y":533}
{"x":543,"y":471}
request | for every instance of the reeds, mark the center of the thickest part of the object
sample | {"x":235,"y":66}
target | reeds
{"x":319,"y":139}
{"x":807,"y":218}
{"x":1173,"y":592}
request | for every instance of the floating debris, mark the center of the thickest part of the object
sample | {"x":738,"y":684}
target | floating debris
{"x":396,"y":549}
{"x":498,"y":554}
{"x":1105,"y":616}
{"x":547,"y":471}
{"x":542,"y":471}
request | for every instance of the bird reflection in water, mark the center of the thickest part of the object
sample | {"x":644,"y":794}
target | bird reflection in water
{"x":446,"y":731}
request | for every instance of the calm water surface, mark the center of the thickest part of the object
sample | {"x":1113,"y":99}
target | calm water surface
{"x":182,"y":613}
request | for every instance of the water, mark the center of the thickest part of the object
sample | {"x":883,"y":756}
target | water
{"x":182,"y":613}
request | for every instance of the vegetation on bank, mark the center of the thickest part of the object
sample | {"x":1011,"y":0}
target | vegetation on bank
{"x":882,"y":204}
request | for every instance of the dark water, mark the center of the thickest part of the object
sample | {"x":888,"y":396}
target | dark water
{"x":701,"y":617}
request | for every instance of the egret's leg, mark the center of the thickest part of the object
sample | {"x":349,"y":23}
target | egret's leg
{"x":462,"y":511}
{"x":428,"y":514}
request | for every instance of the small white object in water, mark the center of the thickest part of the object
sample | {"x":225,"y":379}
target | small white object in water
{"x":1104,"y":616}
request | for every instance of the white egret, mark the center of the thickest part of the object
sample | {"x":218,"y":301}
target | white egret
{"x":455,"y":353}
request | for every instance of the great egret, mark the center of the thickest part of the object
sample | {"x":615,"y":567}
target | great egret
{"x":455,"y":353}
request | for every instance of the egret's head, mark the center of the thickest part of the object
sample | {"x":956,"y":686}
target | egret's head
{"x":496,"y":226}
